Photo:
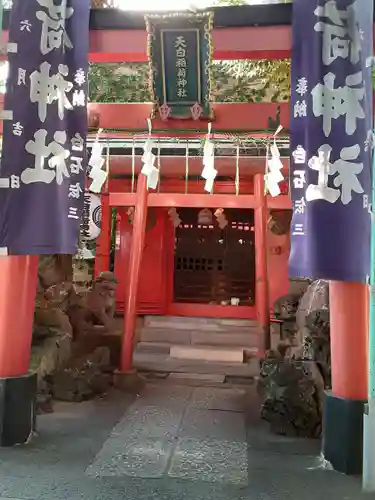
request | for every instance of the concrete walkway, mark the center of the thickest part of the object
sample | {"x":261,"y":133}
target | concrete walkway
{"x":171,"y":442}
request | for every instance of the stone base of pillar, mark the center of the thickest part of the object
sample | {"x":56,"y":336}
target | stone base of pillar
{"x":343,"y":433}
{"x":129,"y":381}
{"x":17,"y":409}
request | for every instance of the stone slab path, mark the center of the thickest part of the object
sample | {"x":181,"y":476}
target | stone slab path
{"x":179,"y":432}
{"x":173,"y":442}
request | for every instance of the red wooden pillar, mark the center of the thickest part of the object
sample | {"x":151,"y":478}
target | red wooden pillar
{"x":343,"y":417}
{"x":348,"y":304}
{"x":135,"y":260}
{"x":17,"y":303}
{"x":261,"y":272}
{"x":18,"y":386}
{"x":103,"y":245}
{"x":123,"y":245}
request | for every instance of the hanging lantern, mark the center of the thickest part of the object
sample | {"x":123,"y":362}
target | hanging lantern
{"x":279,"y":222}
{"x":221,"y":218}
{"x":205,"y":217}
{"x":151,"y":217}
{"x":91,"y":217}
{"x":175,"y":218}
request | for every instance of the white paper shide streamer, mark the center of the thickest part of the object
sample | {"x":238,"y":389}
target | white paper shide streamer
{"x":96,"y":172}
{"x":149,"y":169}
{"x":273,"y":168}
{"x":209,"y":172}
{"x":148,"y":160}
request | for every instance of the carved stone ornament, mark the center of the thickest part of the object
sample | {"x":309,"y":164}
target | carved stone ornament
{"x":196,"y":111}
{"x":164,"y":112}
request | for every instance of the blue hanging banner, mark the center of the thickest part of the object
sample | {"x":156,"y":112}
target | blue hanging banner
{"x":331,"y":139}
{"x":44,"y":145}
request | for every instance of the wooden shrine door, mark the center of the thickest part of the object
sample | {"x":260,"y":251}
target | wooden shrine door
{"x":152,"y":282}
{"x":214,"y":265}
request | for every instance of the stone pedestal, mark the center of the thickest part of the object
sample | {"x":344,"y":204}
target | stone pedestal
{"x":17,"y":409}
{"x":129,"y":381}
{"x":343,"y":433}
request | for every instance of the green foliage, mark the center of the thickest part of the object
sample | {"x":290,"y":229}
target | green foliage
{"x":234,"y":81}
{"x":118,"y":83}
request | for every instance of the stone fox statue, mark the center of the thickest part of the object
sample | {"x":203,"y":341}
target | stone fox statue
{"x":94,"y":311}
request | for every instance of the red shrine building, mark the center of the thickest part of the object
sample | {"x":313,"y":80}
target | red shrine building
{"x":222,"y":259}
{"x":183,"y":251}
{"x":188,"y":223}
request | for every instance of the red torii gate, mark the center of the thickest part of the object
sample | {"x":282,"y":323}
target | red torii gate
{"x":111,"y":42}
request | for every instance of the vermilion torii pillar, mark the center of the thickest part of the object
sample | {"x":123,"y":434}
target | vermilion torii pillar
{"x":343,"y":416}
{"x":135,"y":261}
{"x":103,"y":247}
{"x":17,"y":386}
{"x":261,"y":249}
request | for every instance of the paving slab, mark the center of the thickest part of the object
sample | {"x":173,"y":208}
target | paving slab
{"x":149,"y":422}
{"x":210,"y":460}
{"x":151,"y":437}
{"x":214,"y":424}
{"x":133,"y":456}
{"x":223,"y":399}
{"x":166,"y":396}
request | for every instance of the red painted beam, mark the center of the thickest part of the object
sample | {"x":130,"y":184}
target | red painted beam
{"x":175,"y":165}
{"x":266,"y":42}
{"x":185,"y":200}
{"x":123,"y":199}
{"x":199,"y":200}
{"x":229,"y":43}
{"x":239,"y":117}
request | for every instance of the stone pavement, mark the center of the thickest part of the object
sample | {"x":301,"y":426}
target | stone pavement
{"x":171,"y":442}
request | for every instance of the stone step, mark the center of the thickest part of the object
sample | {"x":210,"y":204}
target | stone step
{"x":208,"y":353}
{"x":163,"y":363}
{"x":155,"y":347}
{"x":235,"y":337}
{"x":197,"y":379}
{"x":165,"y":335}
{"x":191,"y":323}
{"x":248,"y":339}
{"x":165,"y":347}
